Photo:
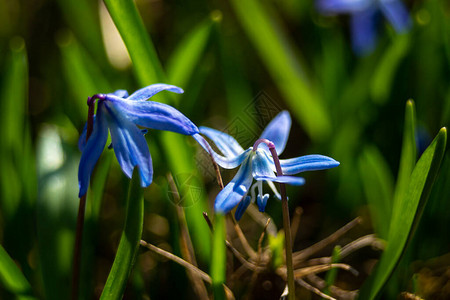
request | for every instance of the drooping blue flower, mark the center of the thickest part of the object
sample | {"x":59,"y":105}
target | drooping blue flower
{"x":258,"y":164}
{"x":120,"y":113}
{"x":365,"y":15}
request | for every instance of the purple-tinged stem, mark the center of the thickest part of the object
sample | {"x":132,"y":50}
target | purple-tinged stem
{"x":82,"y":209}
{"x":286,"y":220}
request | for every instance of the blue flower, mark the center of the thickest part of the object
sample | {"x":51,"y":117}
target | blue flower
{"x":258,"y":164}
{"x":364,"y":18}
{"x":120,"y":113}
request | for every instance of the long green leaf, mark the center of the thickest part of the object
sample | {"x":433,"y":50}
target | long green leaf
{"x":82,"y":74}
{"x":188,"y":53}
{"x":13,"y":93}
{"x":408,"y":154}
{"x":382,"y":81}
{"x":129,"y":242}
{"x":407,"y":214}
{"x":147,"y":66}
{"x":148,"y":70}
{"x":11,"y":277}
{"x":55,"y":211}
{"x":378,"y":187}
{"x":277,"y":54}
{"x":218,"y":259}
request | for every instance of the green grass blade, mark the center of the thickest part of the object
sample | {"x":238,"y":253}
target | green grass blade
{"x":383,"y":77}
{"x":142,"y":52}
{"x":55,"y":211}
{"x":408,"y":155}
{"x":13,"y":93}
{"x":129,"y":242}
{"x":188,"y":53}
{"x":407,"y":214}
{"x":218,"y":259}
{"x":278,"y":56}
{"x":331,"y":275}
{"x":82,"y":74}
{"x":11,"y":277}
{"x":83,"y":18}
{"x":378,"y":187}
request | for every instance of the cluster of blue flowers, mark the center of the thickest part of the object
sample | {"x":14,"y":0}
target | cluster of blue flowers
{"x":121,"y":114}
{"x":365,"y":15}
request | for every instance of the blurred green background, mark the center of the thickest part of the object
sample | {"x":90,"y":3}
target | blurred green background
{"x":240,"y":63}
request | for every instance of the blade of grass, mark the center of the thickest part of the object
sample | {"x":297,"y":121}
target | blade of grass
{"x":188,"y":53}
{"x":129,"y":242}
{"x":407,"y":215}
{"x":11,"y":277}
{"x":13,"y":93}
{"x":330,"y":277}
{"x":277,"y":54}
{"x":143,"y":54}
{"x":408,"y":155}
{"x":378,"y":186}
{"x":82,"y":74}
{"x":240,"y":100}
{"x":55,"y":211}
{"x":383,"y":77}
{"x":218,"y":259}
{"x":148,"y":70}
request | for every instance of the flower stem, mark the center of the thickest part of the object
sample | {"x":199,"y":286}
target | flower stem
{"x":77,"y":250}
{"x":81,"y":212}
{"x":286,"y":220}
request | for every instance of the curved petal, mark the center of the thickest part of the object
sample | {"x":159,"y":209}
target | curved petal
{"x":155,"y":115}
{"x":342,"y":6}
{"x":224,"y":162}
{"x":237,"y":188}
{"x":262,"y":202}
{"x":91,"y":152}
{"x":262,"y":170}
{"x":277,"y":131}
{"x":363,"y":31}
{"x":397,"y":14}
{"x":282,"y":179}
{"x":311,"y":162}
{"x":120,"y":93}
{"x":242,"y":207}
{"x":82,"y":139}
{"x":149,"y":91}
{"x":129,"y":144}
{"x":224,"y":142}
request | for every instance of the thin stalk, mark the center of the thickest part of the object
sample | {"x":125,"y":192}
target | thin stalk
{"x":77,"y":250}
{"x":81,"y":212}
{"x":286,"y":220}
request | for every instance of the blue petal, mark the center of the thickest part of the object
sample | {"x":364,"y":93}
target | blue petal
{"x":342,"y":6}
{"x":120,"y":93}
{"x":155,"y":115}
{"x":242,"y":207}
{"x":82,"y":139}
{"x":129,"y":144}
{"x":363,"y":30}
{"x":262,"y":170}
{"x":262,"y":202}
{"x":397,"y":14}
{"x":224,"y":142}
{"x":311,"y":162}
{"x":91,"y":152}
{"x":277,"y":131}
{"x":149,"y":91}
{"x":224,"y":162}
{"x":237,"y":188}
